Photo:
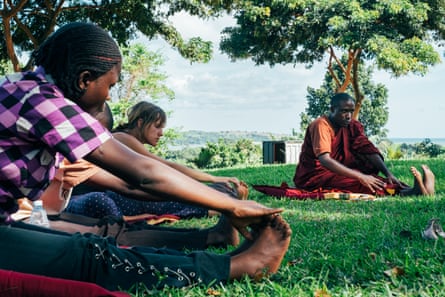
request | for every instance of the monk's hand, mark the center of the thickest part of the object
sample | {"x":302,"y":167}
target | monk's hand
{"x":393,"y":180}
{"x":249,"y":213}
{"x":371,"y":182}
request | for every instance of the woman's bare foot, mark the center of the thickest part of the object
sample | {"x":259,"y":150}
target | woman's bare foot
{"x":223,"y":234}
{"x":428,"y":179}
{"x":265,"y":253}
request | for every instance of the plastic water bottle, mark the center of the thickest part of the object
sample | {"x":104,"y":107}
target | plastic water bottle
{"x":38,"y":215}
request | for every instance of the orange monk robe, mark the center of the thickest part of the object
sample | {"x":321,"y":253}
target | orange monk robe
{"x":348,"y":146}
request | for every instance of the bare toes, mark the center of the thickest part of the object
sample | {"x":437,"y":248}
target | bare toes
{"x":429,"y":179}
{"x":419,"y":186}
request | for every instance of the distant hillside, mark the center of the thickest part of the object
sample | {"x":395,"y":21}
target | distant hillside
{"x":196,"y":138}
{"x":200,"y":138}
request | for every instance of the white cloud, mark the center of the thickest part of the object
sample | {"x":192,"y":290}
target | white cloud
{"x":222,"y":96}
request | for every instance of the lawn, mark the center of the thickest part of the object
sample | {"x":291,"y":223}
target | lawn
{"x":341,"y":248}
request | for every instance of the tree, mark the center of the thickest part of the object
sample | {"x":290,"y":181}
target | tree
{"x":228,"y":154}
{"x":428,"y":148}
{"x":391,"y":151}
{"x":397,"y":36}
{"x":374,"y":106}
{"x":26,"y":23}
{"x":142,"y":79}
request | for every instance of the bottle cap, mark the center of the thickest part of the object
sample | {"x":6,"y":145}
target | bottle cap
{"x":38,"y":203}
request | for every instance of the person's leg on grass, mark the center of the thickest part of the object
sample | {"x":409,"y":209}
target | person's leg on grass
{"x":95,"y":259}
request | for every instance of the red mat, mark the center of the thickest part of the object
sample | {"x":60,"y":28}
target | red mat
{"x":17,"y":284}
{"x":320,"y":194}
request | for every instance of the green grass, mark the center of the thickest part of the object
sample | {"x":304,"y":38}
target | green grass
{"x":341,"y":248}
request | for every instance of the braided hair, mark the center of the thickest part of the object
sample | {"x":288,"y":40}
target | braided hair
{"x":148,"y":112}
{"x":75,"y":48}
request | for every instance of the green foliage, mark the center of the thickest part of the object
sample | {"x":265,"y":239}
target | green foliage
{"x":183,"y":156}
{"x":186,"y":148}
{"x":396,"y":36}
{"x":426,"y":148}
{"x":394,"y":153}
{"x":142,"y":79}
{"x":282,"y":32}
{"x":5,"y":67}
{"x":25,"y":24}
{"x":423,"y":150}
{"x":197,"y":50}
{"x":374,"y":112}
{"x":411,"y":55}
{"x":142,"y":74}
{"x":161,"y":149}
{"x":390,"y":151}
{"x":429,"y":149}
{"x":228,"y":154}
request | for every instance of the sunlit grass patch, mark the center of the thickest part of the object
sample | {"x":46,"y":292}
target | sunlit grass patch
{"x":341,"y":248}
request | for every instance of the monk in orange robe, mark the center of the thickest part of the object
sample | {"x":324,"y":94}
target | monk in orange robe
{"x":336,"y":154}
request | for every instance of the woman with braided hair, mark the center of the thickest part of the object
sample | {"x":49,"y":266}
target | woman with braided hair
{"x":47,"y":114}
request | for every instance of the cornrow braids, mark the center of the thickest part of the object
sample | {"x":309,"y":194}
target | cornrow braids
{"x":75,"y":48}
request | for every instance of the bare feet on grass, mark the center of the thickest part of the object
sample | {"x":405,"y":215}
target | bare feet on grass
{"x":262,"y":256}
{"x":428,"y":179}
{"x":419,"y":186}
{"x":223,"y":234}
{"x":422,"y":186}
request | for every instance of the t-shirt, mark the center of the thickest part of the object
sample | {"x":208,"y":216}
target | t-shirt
{"x":36,"y":122}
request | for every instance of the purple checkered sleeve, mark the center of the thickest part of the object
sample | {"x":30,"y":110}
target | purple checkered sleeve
{"x":36,"y":122}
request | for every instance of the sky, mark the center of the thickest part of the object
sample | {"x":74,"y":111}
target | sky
{"x":239,"y":96}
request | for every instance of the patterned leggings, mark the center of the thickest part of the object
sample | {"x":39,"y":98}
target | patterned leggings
{"x":108,"y":203}
{"x":101,"y":204}
{"x":96,"y":259}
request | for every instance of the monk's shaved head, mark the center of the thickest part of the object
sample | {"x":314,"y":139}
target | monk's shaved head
{"x":339,"y":97}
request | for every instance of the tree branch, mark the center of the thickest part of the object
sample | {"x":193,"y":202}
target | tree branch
{"x":355,"y":83}
{"x":331,"y":69}
{"x":347,"y":72}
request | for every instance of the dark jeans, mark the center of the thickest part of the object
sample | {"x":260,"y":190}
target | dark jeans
{"x":96,"y":259}
{"x":131,"y":234}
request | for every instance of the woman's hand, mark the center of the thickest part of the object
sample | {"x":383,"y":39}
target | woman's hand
{"x":75,"y":173}
{"x":249,"y":212}
{"x":240,"y":187}
{"x":228,"y":180}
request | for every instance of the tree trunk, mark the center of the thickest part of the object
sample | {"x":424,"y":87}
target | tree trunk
{"x":356,"y":85}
